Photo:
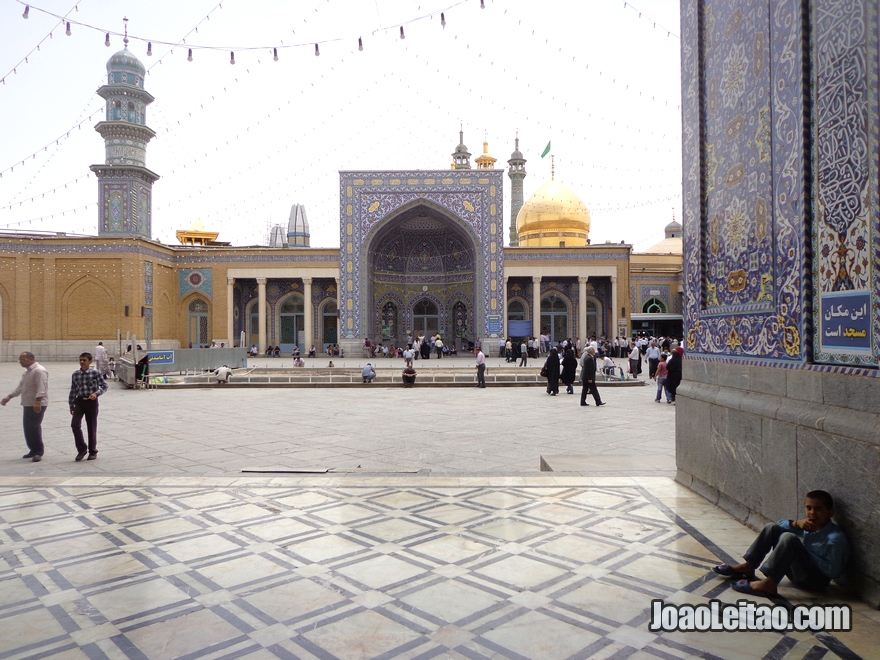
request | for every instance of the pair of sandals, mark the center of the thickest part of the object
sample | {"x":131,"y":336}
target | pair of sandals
{"x":742,"y":584}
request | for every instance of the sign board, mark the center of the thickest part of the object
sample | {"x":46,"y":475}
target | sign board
{"x":494,"y":325}
{"x":519,"y":328}
{"x":160,"y":357}
{"x":846,"y":321}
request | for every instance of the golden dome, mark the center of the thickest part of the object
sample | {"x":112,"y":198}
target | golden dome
{"x":553,"y":215}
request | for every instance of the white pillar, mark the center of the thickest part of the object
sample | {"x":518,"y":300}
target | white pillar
{"x":614,"y":330}
{"x":230,"y":318}
{"x":309,"y":335}
{"x":582,"y":309}
{"x":536,"y":306}
{"x":261,"y":310}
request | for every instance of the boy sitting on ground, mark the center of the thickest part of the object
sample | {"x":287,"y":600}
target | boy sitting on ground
{"x":810,"y":552}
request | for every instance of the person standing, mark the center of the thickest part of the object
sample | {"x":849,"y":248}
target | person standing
{"x":673,"y":373}
{"x":661,"y":379}
{"x":438,"y":347}
{"x":552,"y":367}
{"x":569,"y":369}
{"x":34,"y":391}
{"x":523,"y":354}
{"x":588,"y":377}
{"x":635,"y":361}
{"x":481,"y":369}
{"x":101,"y":363}
{"x":86,"y":385}
{"x":653,"y":355}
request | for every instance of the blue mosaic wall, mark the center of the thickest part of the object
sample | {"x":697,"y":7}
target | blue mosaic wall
{"x":368,"y":200}
{"x":761,"y":233}
{"x":846,"y":277}
{"x":195,"y":279}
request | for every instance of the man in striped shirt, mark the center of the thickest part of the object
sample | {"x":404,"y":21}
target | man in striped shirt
{"x":34,"y":392}
{"x":86,"y":386}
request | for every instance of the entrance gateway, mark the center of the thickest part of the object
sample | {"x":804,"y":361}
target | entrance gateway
{"x":421,"y":253}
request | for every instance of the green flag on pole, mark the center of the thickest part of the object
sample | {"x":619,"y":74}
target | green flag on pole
{"x":546,"y":150}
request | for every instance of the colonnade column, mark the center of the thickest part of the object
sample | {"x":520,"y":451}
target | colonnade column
{"x":613,"y":331}
{"x":582,"y":309}
{"x":536,"y":306}
{"x":309,"y":334}
{"x":230,"y":319}
{"x":261,"y":310}
{"x":504,"y":329}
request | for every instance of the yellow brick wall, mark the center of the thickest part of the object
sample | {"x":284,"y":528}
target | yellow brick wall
{"x":89,"y":296}
{"x":7,"y":289}
{"x":37,"y":312}
{"x":164,"y":301}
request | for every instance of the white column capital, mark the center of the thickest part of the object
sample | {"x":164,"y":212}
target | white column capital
{"x":614,"y":278}
{"x":262,"y":280}
{"x":307,"y":281}
{"x":230,"y":281}
{"x":583,"y":279}
{"x":536,"y":279}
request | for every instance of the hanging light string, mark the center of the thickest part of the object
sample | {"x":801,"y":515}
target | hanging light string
{"x":669,"y":33}
{"x":49,"y":217}
{"x":42,"y":195}
{"x":100,"y":110}
{"x":182,"y":40}
{"x":54,"y":143}
{"x":24,"y":60}
{"x":57,"y":141}
{"x":232,"y":48}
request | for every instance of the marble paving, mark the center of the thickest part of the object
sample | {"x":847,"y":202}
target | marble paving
{"x":384,"y":567}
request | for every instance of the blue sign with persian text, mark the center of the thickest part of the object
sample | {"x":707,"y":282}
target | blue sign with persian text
{"x":846,"y":320}
{"x":494,"y":323}
{"x":160,"y":357}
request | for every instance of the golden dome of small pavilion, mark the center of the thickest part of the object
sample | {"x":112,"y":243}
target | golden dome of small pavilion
{"x":553,"y":215}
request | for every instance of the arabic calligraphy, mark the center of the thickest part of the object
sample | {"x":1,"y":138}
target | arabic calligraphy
{"x":841,"y":310}
{"x":846,"y":321}
{"x":160,"y":357}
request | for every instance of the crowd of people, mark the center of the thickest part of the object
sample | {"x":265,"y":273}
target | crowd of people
{"x":421,"y":346}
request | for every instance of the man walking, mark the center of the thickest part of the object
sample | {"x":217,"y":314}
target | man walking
{"x":34,"y":392}
{"x":86,"y":385}
{"x":588,"y":377}
{"x":481,"y":369}
{"x":101,"y":362}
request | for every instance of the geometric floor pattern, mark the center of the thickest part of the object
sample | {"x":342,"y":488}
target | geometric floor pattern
{"x":360,"y":571}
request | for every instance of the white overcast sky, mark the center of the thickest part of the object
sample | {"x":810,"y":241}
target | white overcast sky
{"x":237,"y":145}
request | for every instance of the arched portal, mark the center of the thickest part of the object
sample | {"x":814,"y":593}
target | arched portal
{"x":197,"y":323}
{"x":291,"y":324}
{"x":426,"y":261}
{"x":426,"y":318}
{"x":555,"y":317}
{"x":329,"y":315}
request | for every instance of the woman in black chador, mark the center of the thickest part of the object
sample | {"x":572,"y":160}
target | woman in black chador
{"x":569,"y":369}
{"x":673,"y":373}
{"x":552,"y":367}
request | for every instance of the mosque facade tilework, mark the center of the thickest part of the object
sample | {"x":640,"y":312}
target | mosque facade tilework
{"x":369,"y":200}
{"x":195,"y":279}
{"x":148,"y":283}
{"x":762,"y":235}
{"x":744,"y":235}
{"x":845,"y":232}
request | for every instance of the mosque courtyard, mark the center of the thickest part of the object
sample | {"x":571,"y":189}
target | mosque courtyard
{"x":381,"y":522}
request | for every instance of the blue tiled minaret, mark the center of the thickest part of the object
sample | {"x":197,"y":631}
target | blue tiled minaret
{"x":517,"y":173}
{"x":125,"y":185}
